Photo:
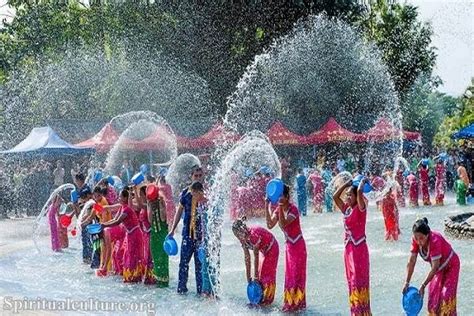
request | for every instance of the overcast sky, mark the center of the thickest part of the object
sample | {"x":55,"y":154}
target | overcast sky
{"x":453,"y":26}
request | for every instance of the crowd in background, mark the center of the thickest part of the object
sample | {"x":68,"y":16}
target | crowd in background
{"x":24,"y":188}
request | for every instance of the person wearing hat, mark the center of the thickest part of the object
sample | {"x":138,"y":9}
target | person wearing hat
{"x":189,"y":246}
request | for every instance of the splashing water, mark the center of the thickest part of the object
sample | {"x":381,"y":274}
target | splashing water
{"x":145,"y":137}
{"x":179,"y":173}
{"x":40,"y":225}
{"x":322,"y":69}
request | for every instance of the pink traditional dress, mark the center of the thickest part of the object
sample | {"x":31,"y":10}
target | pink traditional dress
{"x":268,"y":260}
{"x":356,"y":260}
{"x":318,"y":191}
{"x":133,"y":254}
{"x":390,"y":215}
{"x":424,"y":184}
{"x":443,"y":286}
{"x":148,"y":275}
{"x":401,"y":189}
{"x":440,"y":170}
{"x":295,"y":262}
{"x":413,"y":190}
{"x":169,"y":202}
{"x":53,"y":225}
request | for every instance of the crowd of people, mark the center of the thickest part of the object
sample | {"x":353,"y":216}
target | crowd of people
{"x":136,"y":219}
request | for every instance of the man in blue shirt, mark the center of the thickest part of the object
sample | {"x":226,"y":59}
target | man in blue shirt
{"x":301,"y":191}
{"x":85,"y":194}
{"x":191,"y":228}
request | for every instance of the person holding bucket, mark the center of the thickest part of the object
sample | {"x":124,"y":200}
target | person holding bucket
{"x":189,"y":245}
{"x":133,"y":255}
{"x":158,"y":230}
{"x":445,"y":266}
{"x":356,"y":252}
{"x":287,"y":216}
{"x":265,"y":249}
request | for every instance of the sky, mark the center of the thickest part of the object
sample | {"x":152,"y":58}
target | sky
{"x":453,"y":27}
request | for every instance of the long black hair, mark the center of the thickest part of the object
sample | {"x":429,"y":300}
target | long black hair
{"x":421,"y":226}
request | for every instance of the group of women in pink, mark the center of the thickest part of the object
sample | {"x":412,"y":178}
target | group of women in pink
{"x":127,"y":227}
{"x":266,"y":252}
{"x":350,"y":200}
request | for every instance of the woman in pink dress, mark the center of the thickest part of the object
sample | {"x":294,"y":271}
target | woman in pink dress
{"x":440,"y":184}
{"x":356,"y":252}
{"x":318,"y":191}
{"x":423,"y":171}
{"x":265,"y":250}
{"x":444,"y":274}
{"x":288,"y":218}
{"x":140,"y":197}
{"x":401,"y":188}
{"x":390,"y":215}
{"x":53,"y":210}
{"x":167,"y":194}
{"x":133,"y":252}
{"x":412,"y":189}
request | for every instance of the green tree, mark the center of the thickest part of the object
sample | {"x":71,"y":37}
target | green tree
{"x":405,"y":42}
{"x":424,"y":108}
{"x":463,"y":116}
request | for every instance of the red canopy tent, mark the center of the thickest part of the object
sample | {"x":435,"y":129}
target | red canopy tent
{"x":216,"y":133}
{"x":103,"y":140}
{"x":279,"y":134}
{"x":332,"y":132}
{"x":384,"y":130}
{"x":160,"y":139}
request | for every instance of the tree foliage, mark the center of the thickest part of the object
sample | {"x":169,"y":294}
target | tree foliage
{"x":462,"y":117}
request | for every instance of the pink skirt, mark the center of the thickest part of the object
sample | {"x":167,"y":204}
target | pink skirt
{"x":443,"y":289}
{"x":295,"y":276}
{"x":133,"y":257}
{"x":356,"y":261}
{"x":267,"y":273}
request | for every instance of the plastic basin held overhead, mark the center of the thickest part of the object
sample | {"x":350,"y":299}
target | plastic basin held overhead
{"x":356,"y":181}
{"x":274,"y":190}
{"x":138,"y":178}
{"x":74,"y":196}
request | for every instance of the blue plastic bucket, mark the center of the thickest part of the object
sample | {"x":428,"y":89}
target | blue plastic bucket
{"x":412,"y":302}
{"x":97,"y":176}
{"x":355,"y":183}
{"x":170,"y":246}
{"x":425,"y":162}
{"x":144,"y":169}
{"x":274,"y":190}
{"x":93,"y":229}
{"x":254,"y":292}
{"x":138,"y":178}
{"x":74,"y":196}
{"x":110,"y":180}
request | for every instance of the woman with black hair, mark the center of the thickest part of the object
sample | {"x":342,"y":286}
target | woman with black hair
{"x":133,"y":255}
{"x":445,"y":265}
{"x":287,"y":216}
{"x":356,"y":252}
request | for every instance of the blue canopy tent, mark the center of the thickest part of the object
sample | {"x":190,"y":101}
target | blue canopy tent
{"x":465,"y":133}
{"x":43,"y":141}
